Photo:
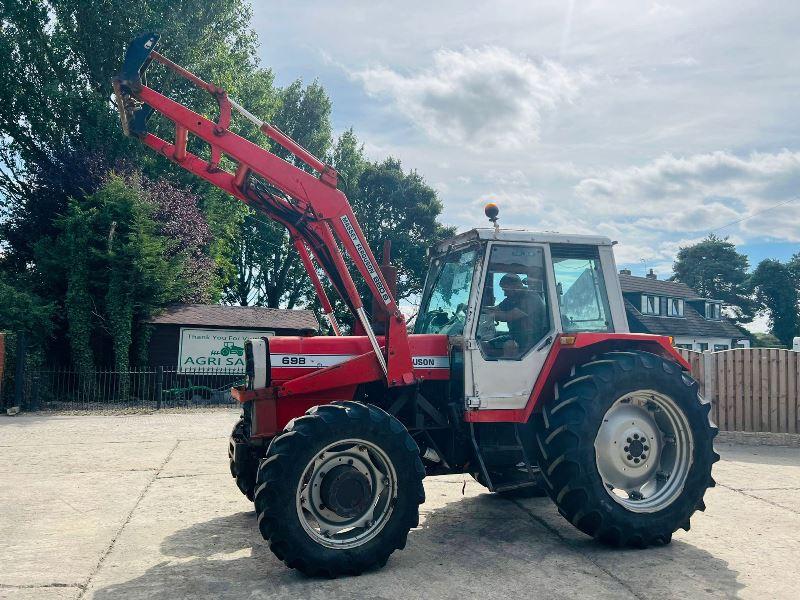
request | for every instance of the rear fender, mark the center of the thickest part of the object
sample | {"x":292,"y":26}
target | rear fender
{"x":569,"y":351}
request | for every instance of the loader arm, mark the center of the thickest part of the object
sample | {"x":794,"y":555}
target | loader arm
{"x":318,"y":216}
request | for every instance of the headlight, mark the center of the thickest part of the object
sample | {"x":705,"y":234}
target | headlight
{"x":257,"y":366}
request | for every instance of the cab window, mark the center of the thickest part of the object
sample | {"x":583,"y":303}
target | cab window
{"x":582,"y":299}
{"x":513,"y":316}
{"x":446,"y":295}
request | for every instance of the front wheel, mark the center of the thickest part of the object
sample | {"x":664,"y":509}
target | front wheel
{"x":339,"y":490}
{"x":625,"y":447}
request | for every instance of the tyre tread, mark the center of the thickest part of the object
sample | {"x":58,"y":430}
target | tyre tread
{"x":561,"y":440}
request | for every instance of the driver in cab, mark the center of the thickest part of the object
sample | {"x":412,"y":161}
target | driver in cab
{"x":524,"y":312}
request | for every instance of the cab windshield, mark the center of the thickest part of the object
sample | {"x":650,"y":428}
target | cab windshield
{"x":446,"y":296}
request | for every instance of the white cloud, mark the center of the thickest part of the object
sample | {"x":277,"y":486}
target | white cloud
{"x":703,"y":193}
{"x":702,"y":85}
{"x":486,"y":97}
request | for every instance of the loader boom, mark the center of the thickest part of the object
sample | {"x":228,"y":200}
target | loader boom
{"x":318,"y":216}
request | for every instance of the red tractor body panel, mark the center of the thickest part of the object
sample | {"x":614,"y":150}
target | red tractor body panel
{"x":294,"y":357}
{"x":571,"y":349}
{"x":307,"y":371}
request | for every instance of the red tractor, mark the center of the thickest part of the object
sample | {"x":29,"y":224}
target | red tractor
{"x":520,"y":370}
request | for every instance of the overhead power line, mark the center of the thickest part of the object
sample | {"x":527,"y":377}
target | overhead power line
{"x":758,"y":212}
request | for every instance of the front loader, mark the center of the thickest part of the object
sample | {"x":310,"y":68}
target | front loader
{"x":520,"y":370}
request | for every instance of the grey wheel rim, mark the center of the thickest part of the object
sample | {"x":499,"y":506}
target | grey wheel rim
{"x":334,"y":527}
{"x":643,"y":450}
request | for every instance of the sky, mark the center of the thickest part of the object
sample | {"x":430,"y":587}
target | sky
{"x":653,"y":123}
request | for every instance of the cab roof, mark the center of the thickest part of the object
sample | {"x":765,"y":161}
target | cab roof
{"x":520,"y":235}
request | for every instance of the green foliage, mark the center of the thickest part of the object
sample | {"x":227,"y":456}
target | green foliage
{"x":257,"y":261}
{"x":794,"y":270}
{"x":57,"y":58}
{"x":714,"y":269}
{"x":765,"y":340}
{"x":775,"y":291}
{"x":23,"y":310}
{"x":121,"y":269}
{"x":349,"y":162}
{"x":86,"y":240}
{"x":305,"y":115}
{"x":400,"y":207}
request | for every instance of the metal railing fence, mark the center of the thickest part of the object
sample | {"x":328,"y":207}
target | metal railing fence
{"x":55,"y":388}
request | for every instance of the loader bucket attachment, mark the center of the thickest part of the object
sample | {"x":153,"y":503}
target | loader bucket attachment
{"x":132,"y":114}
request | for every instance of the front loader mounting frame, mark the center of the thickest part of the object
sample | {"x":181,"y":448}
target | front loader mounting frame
{"x":317,"y":215}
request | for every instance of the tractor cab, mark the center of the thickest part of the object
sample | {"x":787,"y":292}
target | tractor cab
{"x":502,"y":296}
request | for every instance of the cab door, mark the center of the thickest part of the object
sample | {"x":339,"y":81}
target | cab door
{"x":511,"y":327}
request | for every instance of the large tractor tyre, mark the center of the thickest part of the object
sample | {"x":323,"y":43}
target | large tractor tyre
{"x":244,"y":471}
{"x":339,"y":490}
{"x":626,"y":448}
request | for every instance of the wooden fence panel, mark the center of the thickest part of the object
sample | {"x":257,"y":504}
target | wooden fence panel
{"x":794,"y":397}
{"x":747,"y":392}
{"x":751,"y":389}
{"x":764,"y":361}
{"x":783,"y":409}
{"x":738,"y":386}
{"x":773,"y":390}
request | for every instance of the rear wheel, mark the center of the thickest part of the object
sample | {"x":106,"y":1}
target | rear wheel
{"x":339,"y":490}
{"x":626,"y":448}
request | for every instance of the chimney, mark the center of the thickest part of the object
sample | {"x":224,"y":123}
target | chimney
{"x":624,"y":271}
{"x":651,"y":275}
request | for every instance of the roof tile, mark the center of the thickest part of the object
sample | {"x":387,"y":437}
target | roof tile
{"x":218,"y":315}
{"x":675,"y":289}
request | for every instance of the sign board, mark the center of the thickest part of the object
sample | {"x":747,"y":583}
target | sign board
{"x":214,"y":349}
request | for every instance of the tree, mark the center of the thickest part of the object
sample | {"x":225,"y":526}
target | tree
{"x":120,"y":255}
{"x":794,"y":270}
{"x":776,"y":292}
{"x":714,"y":269}
{"x":400,"y":207}
{"x":60,"y":136}
{"x":261,"y":267}
{"x":57,"y":58}
{"x":22,"y":310}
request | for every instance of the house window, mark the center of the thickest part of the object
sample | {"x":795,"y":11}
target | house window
{"x":650,"y":305}
{"x":675,"y":307}
{"x":713,"y":311}
{"x":702,"y":346}
{"x":684,"y":346}
{"x":720,"y":347}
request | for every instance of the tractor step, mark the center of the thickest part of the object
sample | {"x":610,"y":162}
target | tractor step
{"x":519,"y":473}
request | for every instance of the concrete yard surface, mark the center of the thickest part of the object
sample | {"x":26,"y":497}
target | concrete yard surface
{"x":143,"y":506}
